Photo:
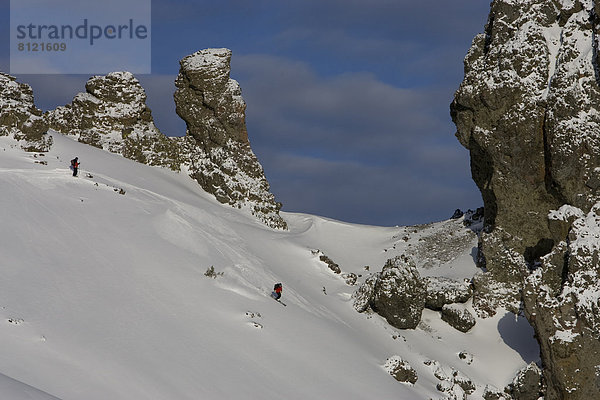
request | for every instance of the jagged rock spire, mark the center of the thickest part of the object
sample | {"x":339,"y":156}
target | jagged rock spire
{"x":221,"y":159}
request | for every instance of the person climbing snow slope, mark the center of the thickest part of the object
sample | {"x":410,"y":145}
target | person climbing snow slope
{"x":74,"y":165}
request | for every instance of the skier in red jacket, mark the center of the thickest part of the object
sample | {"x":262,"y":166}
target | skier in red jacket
{"x":74,"y":165}
{"x":277,"y":291}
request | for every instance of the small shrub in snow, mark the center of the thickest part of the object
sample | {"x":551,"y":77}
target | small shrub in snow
{"x":210,"y":272}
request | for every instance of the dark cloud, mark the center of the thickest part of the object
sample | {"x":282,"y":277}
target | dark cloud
{"x":367,"y":151}
{"x":364,"y":193}
{"x":350,"y":113}
{"x":430,"y":18}
{"x":159,"y":91}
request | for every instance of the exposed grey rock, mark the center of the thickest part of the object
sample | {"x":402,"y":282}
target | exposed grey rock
{"x":401,"y":370}
{"x":527,"y":110}
{"x":458,"y":317}
{"x":466,"y":357}
{"x":363,"y":296}
{"x":220,"y":157}
{"x":465,"y":383}
{"x":527,"y":383}
{"x":441,"y":291}
{"x":492,"y":393}
{"x":399,"y":294}
{"x":437,"y":244}
{"x":20,"y":118}
{"x":474,"y":218}
{"x":489,"y":293}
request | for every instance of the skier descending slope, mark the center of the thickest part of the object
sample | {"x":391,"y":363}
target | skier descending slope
{"x":276,"y":294}
{"x":277,"y":289}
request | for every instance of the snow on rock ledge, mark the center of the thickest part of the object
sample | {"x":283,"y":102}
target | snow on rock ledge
{"x":20,"y":118}
{"x":458,"y":316}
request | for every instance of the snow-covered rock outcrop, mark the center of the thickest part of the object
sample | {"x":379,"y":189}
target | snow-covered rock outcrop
{"x":220,"y":157}
{"x":527,"y":383}
{"x":112,"y":114}
{"x":20,"y":117}
{"x":528,"y":112}
{"x":397,"y":293}
{"x":401,"y":370}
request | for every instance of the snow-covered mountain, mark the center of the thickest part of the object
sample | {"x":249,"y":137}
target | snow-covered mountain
{"x":112,"y":114}
{"x":106,"y":292}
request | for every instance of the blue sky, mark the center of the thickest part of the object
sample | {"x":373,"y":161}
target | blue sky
{"x":348,"y":100}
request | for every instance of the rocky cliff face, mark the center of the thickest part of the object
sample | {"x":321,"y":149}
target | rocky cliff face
{"x":19,"y":116}
{"x":220,"y":157}
{"x":528,"y":112}
{"x":112,"y":114}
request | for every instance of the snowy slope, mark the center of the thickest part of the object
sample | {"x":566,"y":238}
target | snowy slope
{"x":103,"y":295}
